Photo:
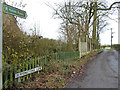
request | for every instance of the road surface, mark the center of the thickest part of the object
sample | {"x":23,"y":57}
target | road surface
{"x":102,"y":72}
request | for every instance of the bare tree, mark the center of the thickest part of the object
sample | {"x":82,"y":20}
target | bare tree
{"x":84,"y":15}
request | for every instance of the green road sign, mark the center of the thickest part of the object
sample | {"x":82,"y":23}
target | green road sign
{"x":14,"y":11}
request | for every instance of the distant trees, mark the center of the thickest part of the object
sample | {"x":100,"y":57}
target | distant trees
{"x":88,"y":17}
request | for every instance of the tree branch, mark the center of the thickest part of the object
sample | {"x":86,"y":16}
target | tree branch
{"x":109,"y":7}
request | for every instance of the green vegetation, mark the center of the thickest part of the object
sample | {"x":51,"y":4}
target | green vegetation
{"x":107,"y":47}
{"x":116,"y":46}
{"x":19,"y":47}
{"x":22,"y":52}
{"x":58,"y":73}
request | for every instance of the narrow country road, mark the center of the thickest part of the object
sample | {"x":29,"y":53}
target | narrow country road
{"x":102,"y":72}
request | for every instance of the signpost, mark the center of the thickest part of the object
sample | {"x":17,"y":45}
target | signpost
{"x":13,"y":11}
{"x":18,"y":75}
{"x":1,"y":4}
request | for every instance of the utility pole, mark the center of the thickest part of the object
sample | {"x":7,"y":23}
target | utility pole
{"x":111,"y":36}
{"x":1,"y":22}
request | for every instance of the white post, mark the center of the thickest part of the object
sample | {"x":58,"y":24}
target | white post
{"x":38,"y":69}
{"x":90,"y":44}
{"x":86,"y":44}
{"x":79,"y":46}
{"x":1,"y":21}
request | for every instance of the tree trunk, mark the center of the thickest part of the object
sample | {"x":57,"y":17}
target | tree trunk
{"x":94,"y":26}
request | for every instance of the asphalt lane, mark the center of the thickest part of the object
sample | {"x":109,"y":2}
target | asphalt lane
{"x":102,"y":72}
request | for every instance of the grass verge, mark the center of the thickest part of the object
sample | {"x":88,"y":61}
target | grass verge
{"x":58,"y":73}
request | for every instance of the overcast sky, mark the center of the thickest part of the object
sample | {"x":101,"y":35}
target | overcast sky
{"x":40,"y":14}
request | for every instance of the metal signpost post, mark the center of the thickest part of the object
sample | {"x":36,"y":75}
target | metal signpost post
{"x":9,"y":10}
{"x":118,"y":24}
{"x":1,"y":5}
